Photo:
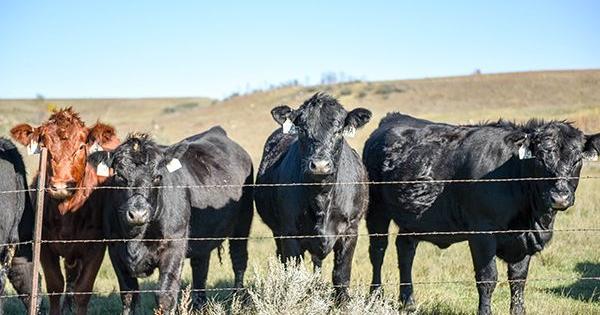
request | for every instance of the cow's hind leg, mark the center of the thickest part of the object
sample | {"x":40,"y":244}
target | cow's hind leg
{"x":406,"y":248}
{"x":342,"y":268}
{"x":199,"y":274}
{"x":483,"y":252}
{"x":55,"y":283}
{"x":20,"y":275}
{"x":90,"y":264}
{"x":517,"y":274}
{"x":238,"y":248}
{"x":377,"y":223}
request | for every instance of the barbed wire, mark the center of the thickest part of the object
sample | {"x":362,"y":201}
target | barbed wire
{"x":265,"y":237}
{"x":388,"y":284}
{"x":399,"y":182}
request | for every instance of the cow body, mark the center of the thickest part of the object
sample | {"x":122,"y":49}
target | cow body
{"x":16,"y":222}
{"x":404,"y":148}
{"x":210,"y":158}
{"x":330,"y":212}
{"x":72,"y":208}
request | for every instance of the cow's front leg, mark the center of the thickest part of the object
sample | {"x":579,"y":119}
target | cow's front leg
{"x":483,"y":252}
{"x":127,"y":283}
{"x":517,"y":274}
{"x":406,"y":248}
{"x":170,"y":275}
{"x":342,"y":268}
{"x":88,"y":268}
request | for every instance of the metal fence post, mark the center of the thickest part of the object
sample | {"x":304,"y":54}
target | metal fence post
{"x":37,"y":236}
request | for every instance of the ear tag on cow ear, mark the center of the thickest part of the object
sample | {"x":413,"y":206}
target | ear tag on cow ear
{"x":525,"y":153}
{"x":102,"y":170}
{"x":349,"y":132}
{"x":288,"y":126}
{"x":95,"y":148}
{"x":173,"y":165}
{"x":33,"y":148}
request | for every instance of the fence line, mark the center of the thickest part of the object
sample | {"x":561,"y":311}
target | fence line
{"x":265,"y":237}
{"x":358,"y":285}
{"x":399,"y":182}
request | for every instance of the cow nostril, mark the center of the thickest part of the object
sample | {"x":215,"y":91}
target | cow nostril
{"x":136,"y":216}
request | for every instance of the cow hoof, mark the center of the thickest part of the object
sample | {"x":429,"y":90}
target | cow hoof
{"x":409,"y":306}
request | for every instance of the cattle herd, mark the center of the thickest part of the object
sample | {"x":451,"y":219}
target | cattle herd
{"x":312,"y":190}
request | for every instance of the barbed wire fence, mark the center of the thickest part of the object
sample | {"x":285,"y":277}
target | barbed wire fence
{"x":41,"y":190}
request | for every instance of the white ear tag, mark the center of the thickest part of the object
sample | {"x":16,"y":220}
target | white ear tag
{"x":349,"y":132}
{"x":33,"y":148}
{"x":524,"y":153}
{"x":95,"y":148}
{"x":173,"y":165}
{"x":288,"y":125}
{"x":102,"y":170}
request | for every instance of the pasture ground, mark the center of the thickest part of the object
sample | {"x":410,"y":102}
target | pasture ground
{"x":570,"y":95}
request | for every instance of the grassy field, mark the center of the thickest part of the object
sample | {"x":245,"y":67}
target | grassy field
{"x":571,"y":95}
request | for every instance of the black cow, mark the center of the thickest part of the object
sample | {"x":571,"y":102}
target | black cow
{"x":310,"y":148}
{"x":405,"y":148}
{"x":209,"y":158}
{"x":16,"y":222}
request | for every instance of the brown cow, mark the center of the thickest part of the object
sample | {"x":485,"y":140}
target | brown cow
{"x":72,"y":209}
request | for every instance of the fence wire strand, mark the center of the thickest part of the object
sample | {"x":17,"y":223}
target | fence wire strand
{"x":399,"y":182}
{"x":388,"y":284}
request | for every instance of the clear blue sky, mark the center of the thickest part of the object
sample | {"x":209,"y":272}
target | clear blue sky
{"x":179,"y":48}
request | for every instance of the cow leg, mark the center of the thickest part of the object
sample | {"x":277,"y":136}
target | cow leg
{"x":126,"y":283}
{"x":342,"y":267}
{"x":199,"y":274}
{"x":88,"y":271}
{"x":406,"y":248}
{"x":238,"y":249}
{"x":317,"y":263}
{"x":377,"y":223}
{"x":518,"y":271}
{"x":170,"y":275}
{"x":290,"y":249}
{"x":20,"y":275}
{"x":72,"y":271}
{"x":483,"y":252}
{"x":55,"y":283}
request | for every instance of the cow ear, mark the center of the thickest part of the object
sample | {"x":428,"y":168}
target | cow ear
{"x":591,"y":149}
{"x":172,"y":156}
{"x":103,"y":135}
{"x":357,"y":118}
{"x":520,"y":142}
{"x":100,"y":157}
{"x":23,"y":133}
{"x":282,"y":113}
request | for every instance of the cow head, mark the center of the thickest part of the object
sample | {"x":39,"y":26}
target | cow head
{"x":69,"y":142}
{"x":320,"y":123}
{"x":554,"y":149}
{"x":138,"y":165}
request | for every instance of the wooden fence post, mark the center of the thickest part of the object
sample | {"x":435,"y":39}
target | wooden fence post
{"x":37,"y":236}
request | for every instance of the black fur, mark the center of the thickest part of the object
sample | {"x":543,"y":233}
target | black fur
{"x":16,"y":221}
{"x":210,"y":158}
{"x":407,"y":148}
{"x":314,"y":210}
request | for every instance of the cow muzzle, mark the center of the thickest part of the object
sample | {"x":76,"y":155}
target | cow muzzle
{"x":61,"y":190}
{"x":137,"y":217}
{"x":560,"y":200}
{"x":320,"y":166}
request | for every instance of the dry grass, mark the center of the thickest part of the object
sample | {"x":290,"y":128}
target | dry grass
{"x":567,"y":95}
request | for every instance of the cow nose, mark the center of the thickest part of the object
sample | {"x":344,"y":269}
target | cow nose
{"x":61,"y":190}
{"x":137,"y":217}
{"x":322,"y":166}
{"x":560,"y":201}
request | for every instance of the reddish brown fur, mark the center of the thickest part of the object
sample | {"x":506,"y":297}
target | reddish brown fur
{"x":78,"y":216}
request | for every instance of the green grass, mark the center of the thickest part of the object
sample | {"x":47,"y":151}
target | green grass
{"x":572,"y":95}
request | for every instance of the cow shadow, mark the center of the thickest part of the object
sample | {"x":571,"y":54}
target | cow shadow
{"x":582,"y":290}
